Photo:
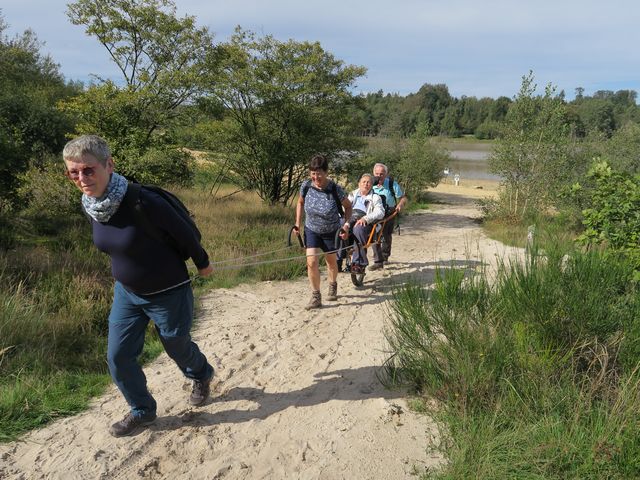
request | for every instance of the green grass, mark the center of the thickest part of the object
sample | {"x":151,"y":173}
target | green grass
{"x":55,"y":296}
{"x":547,"y":229}
{"x":534,"y":374}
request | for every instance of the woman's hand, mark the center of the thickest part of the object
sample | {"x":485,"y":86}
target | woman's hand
{"x":206,"y":271}
{"x":344,"y":231}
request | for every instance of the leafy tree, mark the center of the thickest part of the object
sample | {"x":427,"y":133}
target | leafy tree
{"x":598,"y":115}
{"x":31,"y":126}
{"x":284,"y":102}
{"x":532,"y":155}
{"x":622,"y":150}
{"x":415,"y":163}
{"x":162,"y":61}
{"x":421,"y":163}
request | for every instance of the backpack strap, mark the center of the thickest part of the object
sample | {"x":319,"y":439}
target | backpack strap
{"x":334,"y":192}
{"x":305,"y":188}
{"x":393,"y":192}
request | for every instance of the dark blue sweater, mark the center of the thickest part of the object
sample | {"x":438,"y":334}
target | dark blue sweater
{"x":140,"y":262}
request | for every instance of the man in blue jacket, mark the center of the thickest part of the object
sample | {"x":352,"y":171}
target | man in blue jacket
{"x":395,"y":199}
{"x":151,"y":278}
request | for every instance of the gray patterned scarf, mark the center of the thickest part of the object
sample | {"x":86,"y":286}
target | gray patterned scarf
{"x":102,"y":209}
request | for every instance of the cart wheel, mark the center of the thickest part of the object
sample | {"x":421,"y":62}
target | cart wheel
{"x":357,"y":279}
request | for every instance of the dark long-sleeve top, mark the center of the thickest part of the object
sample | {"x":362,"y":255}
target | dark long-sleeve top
{"x":141,"y":263}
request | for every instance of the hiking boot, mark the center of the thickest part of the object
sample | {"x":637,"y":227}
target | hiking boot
{"x":332,"y":295}
{"x":130,"y":424}
{"x":200,"y":391}
{"x":376,"y":266}
{"x":315,"y":302}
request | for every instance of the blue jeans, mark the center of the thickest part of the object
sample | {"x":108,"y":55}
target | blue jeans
{"x":172,"y":314}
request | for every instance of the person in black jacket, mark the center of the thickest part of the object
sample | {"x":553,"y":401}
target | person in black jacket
{"x":151,"y":279}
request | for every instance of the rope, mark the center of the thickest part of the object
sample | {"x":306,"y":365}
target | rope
{"x":231,"y":260}
{"x":265,"y":262}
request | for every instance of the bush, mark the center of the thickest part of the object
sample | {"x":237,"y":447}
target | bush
{"x":159,"y":166}
{"x":47,"y":192}
{"x":612,"y":210}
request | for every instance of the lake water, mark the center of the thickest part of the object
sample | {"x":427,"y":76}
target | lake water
{"x":470,"y":165}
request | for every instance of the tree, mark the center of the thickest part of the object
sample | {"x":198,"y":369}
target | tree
{"x":416,"y":162}
{"x":284,"y":101}
{"x":532,"y":156}
{"x":421,"y":163}
{"x":31,"y":126}
{"x":622,"y":150}
{"x":162,"y":61}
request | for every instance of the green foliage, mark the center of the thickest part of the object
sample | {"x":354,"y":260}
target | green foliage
{"x":487,"y":130}
{"x":605,"y":111}
{"x":533,"y":155}
{"x":415,"y":163}
{"x":123,"y":116}
{"x":622,"y":150}
{"x":48,"y":195}
{"x":612,"y":213}
{"x":597,"y":115}
{"x":393,"y":115}
{"x":285,"y":101}
{"x":54,"y":301}
{"x":161,"y":58}
{"x":535,"y":370}
{"x":421,"y":163}
{"x":160,"y":166}
{"x":31,"y":126}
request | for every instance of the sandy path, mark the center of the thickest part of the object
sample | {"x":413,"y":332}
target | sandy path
{"x":296,"y":394}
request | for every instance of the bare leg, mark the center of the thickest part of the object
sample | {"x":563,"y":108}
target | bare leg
{"x":332,"y":267}
{"x":313,"y":267}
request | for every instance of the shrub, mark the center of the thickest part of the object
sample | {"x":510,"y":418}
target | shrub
{"x":159,"y":166}
{"x":612,"y":213}
{"x":51,"y":199}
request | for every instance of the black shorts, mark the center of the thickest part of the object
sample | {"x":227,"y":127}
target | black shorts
{"x":324,"y":241}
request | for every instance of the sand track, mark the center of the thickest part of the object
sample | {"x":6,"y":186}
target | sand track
{"x":296,"y":392}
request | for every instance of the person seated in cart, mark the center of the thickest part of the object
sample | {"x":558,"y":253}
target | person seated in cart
{"x":367,"y":210}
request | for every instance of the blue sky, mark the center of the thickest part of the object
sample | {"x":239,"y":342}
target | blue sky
{"x":477,"y":48}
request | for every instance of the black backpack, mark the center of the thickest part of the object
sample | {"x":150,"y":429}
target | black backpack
{"x":132,"y":199}
{"x":334,"y":191}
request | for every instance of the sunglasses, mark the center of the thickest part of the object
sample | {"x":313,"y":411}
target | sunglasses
{"x":75,"y":174}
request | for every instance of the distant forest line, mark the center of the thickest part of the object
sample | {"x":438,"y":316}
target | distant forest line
{"x":389,"y":114}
